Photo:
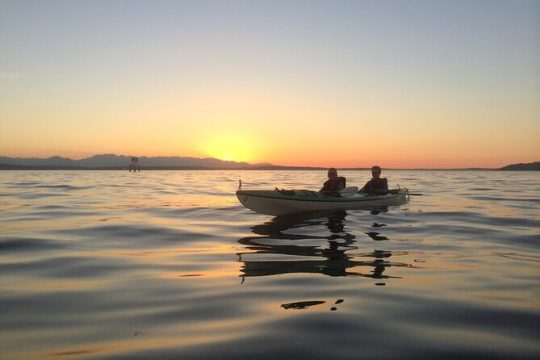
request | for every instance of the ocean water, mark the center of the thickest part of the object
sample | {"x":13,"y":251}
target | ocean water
{"x":168,"y":264}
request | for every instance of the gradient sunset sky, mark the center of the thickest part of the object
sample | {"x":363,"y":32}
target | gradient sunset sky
{"x":328,"y":83}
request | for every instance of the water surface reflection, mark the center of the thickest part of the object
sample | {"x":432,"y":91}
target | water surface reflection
{"x":296,"y":244}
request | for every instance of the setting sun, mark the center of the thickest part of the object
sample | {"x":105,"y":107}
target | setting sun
{"x":230,"y":147}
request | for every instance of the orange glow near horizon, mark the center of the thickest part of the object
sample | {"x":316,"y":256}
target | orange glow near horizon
{"x":231,"y":146}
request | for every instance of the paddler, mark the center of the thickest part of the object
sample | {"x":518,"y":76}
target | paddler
{"x":334,"y":184}
{"x":377,"y":185}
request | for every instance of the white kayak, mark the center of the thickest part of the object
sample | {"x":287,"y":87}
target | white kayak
{"x":282,"y":202}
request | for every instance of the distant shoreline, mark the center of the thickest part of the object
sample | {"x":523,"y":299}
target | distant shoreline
{"x":120,"y":163}
{"x":266,"y":168}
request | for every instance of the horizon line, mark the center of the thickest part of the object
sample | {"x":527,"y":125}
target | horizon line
{"x":250,"y":166}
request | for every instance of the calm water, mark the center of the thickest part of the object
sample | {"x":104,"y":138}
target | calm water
{"x":169,"y":265}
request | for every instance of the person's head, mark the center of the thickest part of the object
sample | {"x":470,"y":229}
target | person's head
{"x":332,"y":173}
{"x":376,"y":171}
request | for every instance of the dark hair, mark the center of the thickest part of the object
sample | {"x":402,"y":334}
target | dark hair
{"x":376,"y":168}
{"x":333,"y":170}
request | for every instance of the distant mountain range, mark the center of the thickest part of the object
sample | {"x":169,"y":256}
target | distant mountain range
{"x":111,"y":161}
{"x":119,"y":162}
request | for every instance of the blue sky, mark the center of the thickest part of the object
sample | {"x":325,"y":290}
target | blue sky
{"x":439,"y":82}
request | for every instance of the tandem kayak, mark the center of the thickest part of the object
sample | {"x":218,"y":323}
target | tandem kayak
{"x":283,"y":202}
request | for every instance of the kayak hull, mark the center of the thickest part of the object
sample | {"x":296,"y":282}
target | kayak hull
{"x":277,"y":202}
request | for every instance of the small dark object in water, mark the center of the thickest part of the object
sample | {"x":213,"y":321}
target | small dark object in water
{"x":375,"y":236}
{"x":302,"y":304}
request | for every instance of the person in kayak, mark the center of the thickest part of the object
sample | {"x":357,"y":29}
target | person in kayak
{"x":334,"y":184}
{"x":377,"y":185}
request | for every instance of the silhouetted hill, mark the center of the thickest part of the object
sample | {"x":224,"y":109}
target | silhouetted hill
{"x":111,"y":161}
{"x":523,"y":166}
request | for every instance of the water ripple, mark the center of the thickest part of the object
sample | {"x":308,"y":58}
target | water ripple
{"x":168,"y":264}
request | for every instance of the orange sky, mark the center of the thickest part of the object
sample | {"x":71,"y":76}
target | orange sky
{"x":448,"y":86}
